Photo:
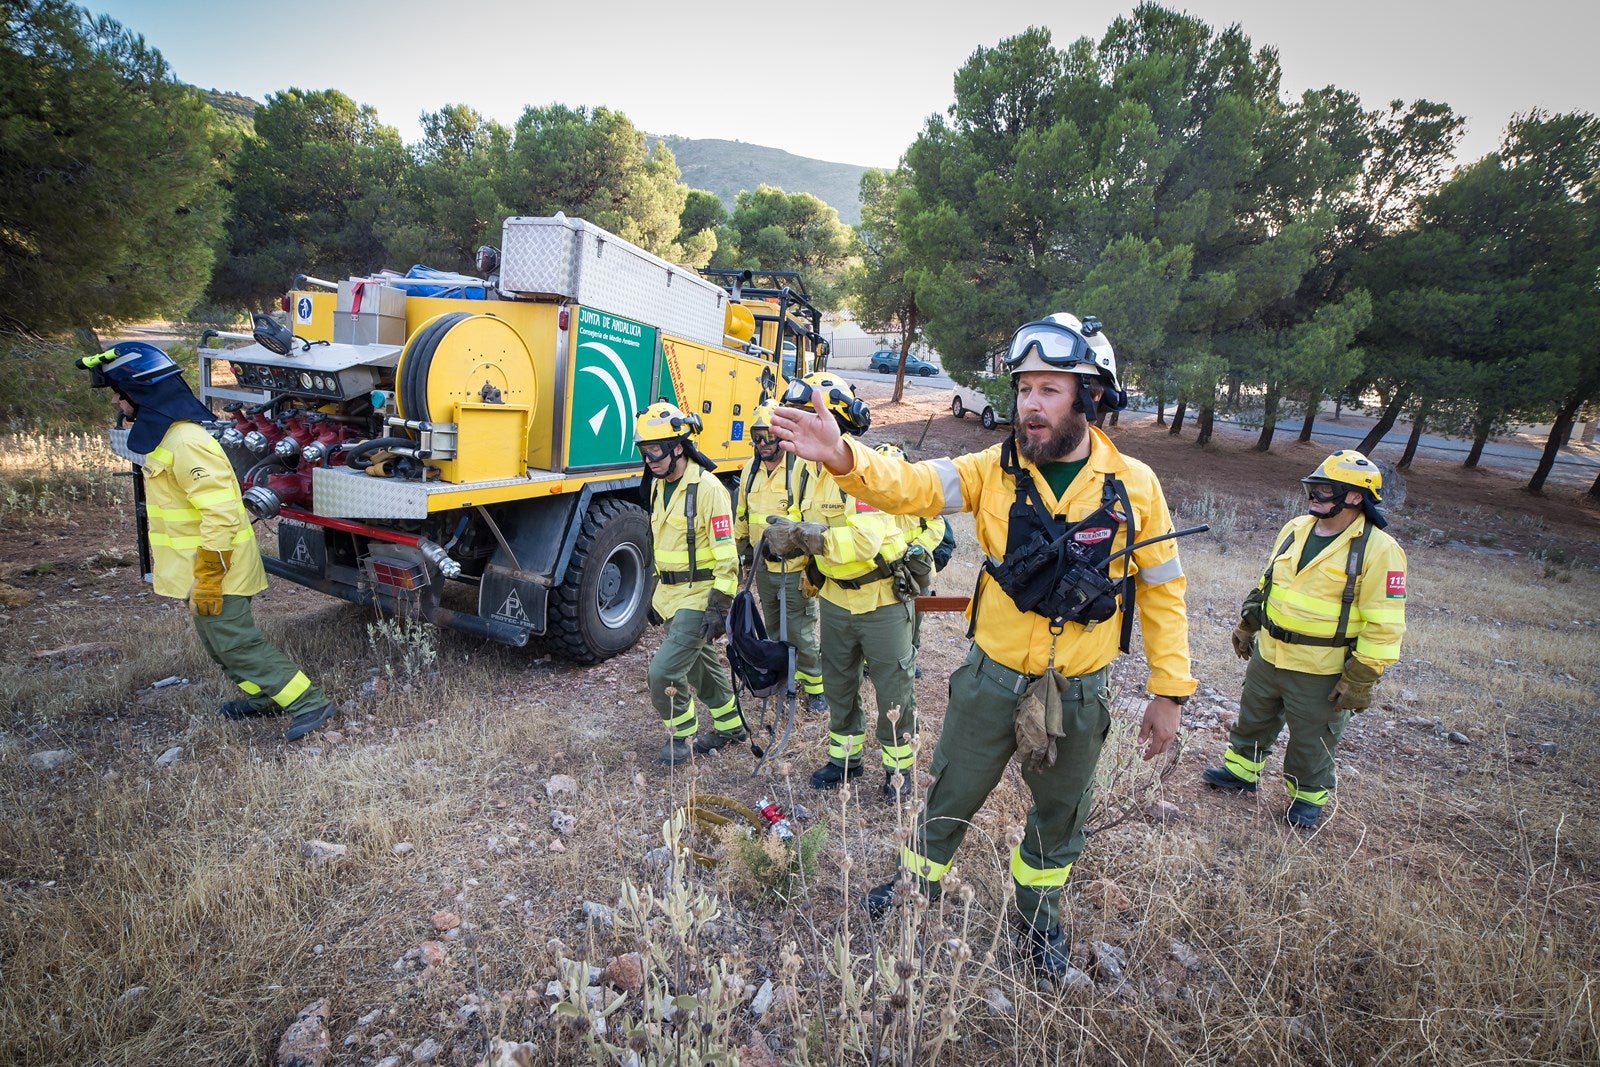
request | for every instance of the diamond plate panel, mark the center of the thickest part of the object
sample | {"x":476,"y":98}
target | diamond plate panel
{"x":119,"y":446}
{"x":341,"y":493}
{"x":572,"y":259}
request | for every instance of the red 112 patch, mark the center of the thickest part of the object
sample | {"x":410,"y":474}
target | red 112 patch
{"x":722,"y":528}
{"x":1397,"y":583}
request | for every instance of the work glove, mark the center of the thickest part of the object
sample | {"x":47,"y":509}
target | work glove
{"x":747,"y":554}
{"x":210,"y":565}
{"x":1251,"y":616}
{"x":1039,"y":720}
{"x":1353,"y":690}
{"x":786,"y":539}
{"x":714,"y":621}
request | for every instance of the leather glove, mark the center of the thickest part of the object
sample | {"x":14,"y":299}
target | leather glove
{"x":210,"y":565}
{"x":714,"y":621}
{"x":1244,"y":639}
{"x":786,"y":539}
{"x":1253,"y":611}
{"x":1039,"y":721}
{"x":1353,"y":690}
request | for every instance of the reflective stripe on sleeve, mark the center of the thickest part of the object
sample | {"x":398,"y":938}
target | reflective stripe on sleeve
{"x":1162,"y":572}
{"x":950,"y":483}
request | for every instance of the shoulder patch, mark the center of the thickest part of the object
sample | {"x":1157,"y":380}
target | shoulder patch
{"x":862,"y":505}
{"x":721,"y":527}
{"x":1396,"y":586}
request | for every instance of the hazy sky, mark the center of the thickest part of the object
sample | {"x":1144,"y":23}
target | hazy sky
{"x":845,"y":82}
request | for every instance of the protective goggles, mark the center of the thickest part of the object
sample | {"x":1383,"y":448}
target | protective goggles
{"x":655,"y":453}
{"x":1325,"y":492}
{"x":1056,"y":345}
{"x":852,"y":413}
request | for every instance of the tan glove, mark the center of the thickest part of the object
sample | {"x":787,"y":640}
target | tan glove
{"x":1039,"y":721}
{"x":1353,"y":690}
{"x":1244,"y":639}
{"x":786,"y":539}
{"x":205,"y":596}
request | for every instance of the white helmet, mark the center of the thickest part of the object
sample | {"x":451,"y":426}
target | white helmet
{"x":1062,"y":342}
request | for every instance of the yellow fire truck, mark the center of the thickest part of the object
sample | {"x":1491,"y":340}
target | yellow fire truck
{"x":419,"y":440}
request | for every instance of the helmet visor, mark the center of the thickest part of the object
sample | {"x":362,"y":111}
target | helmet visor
{"x":1054,"y":344}
{"x":1322,"y":492}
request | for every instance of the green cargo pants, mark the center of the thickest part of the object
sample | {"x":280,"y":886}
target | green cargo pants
{"x":800,"y":618}
{"x":978,"y":740}
{"x":684,"y":663}
{"x":274,"y":685}
{"x":1273,"y":697}
{"x":881,"y":637}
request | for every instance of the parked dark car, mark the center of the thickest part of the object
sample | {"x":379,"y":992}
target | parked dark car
{"x":887,"y":361}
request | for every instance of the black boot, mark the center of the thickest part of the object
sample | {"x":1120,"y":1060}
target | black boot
{"x":1222,"y":778}
{"x":1304,"y":814}
{"x":307,"y":721}
{"x":817,"y":703}
{"x":244,"y":709}
{"x":893,"y":793}
{"x":829,"y":775}
{"x":712,"y":740}
{"x":879,"y":899}
{"x":674,"y":751}
{"x":1049,"y":955}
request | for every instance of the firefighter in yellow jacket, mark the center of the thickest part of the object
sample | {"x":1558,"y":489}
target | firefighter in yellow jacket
{"x":1330,"y":610}
{"x":866,"y":616}
{"x":697,"y":573}
{"x":202,"y":547}
{"x":776,"y":483}
{"x":1057,"y":478}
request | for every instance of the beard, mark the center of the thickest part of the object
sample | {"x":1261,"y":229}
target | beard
{"x":1064,"y":436}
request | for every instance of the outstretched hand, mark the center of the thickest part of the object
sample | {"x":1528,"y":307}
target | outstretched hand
{"x":813,"y":435}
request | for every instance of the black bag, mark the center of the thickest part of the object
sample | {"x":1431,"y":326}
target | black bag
{"x":763,"y":665}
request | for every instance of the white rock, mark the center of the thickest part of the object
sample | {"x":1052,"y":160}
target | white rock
{"x":762,"y":1000}
{"x":132,"y":994}
{"x":388,"y":1061}
{"x":322,"y":851}
{"x":558,"y":784}
{"x":170,"y":756}
{"x":425,"y":1052}
{"x":600,"y":914}
{"x":997,"y":1002}
{"x":561,"y":822}
{"x":50,"y":759}
{"x":402,"y":848}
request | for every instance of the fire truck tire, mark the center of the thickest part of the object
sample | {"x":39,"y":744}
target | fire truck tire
{"x":599,"y":609}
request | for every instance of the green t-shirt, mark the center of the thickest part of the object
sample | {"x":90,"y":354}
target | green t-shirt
{"x":1315,"y":543}
{"x":1060,"y":475}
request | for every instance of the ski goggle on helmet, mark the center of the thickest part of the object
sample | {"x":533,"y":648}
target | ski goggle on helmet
{"x":129,"y":363}
{"x":1063,"y":343}
{"x":851,"y":413}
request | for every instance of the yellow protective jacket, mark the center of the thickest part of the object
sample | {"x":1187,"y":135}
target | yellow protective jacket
{"x":764,"y":494}
{"x":1307,"y":601}
{"x":1022,"y":640}
{"x":858,"y":535}
{"x":192,"y":500}
{"x":716,"y":561}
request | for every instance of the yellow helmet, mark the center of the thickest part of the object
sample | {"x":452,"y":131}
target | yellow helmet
{"x":664,"y":421}
{"x":1349,"y":467}
{"x":890,"y":449}
{"x":852,"y":415}
{"x":762,"y":419}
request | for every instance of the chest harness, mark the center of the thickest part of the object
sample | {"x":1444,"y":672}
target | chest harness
{"x":1352,"y":571}
{"x":693,"y":574}
{"x":1060,"y":571}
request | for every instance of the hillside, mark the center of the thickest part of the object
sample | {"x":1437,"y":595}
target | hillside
{"x":726,"y":167}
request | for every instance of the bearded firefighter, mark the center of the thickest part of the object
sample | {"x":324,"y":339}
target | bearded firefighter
{"x":1051,"y":505}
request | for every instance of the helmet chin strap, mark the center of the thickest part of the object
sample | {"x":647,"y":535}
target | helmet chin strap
{"x":1085,"y":402}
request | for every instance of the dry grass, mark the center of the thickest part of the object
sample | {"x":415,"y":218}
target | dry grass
{"x":1444,"y":913}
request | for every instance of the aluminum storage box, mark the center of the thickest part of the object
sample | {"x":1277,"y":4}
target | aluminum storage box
{"x":369,"y":313}
{"x":572,"y":260}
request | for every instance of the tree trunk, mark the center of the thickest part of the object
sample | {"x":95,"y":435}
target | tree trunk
{"x":1313,"y":405}
{"x":1177,"y":418}
{"x":1587,"y":436}
{"x":1269,"y":418}
{"x":1233,"y":393}
{"x":1480,"y":437}
{"x":1418,"y":426}
{"x":1385,"y":421}
{"x":1594,"y":490}
{"x":1208,"y":418}
{"x":1161,"y":409}
{"x":1559,"y":433}
{"x":1338,"y":405}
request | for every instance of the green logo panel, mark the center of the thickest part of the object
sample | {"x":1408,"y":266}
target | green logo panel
{"x":611,"y":377}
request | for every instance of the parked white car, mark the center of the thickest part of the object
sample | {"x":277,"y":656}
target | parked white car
{"x":991,"y":403}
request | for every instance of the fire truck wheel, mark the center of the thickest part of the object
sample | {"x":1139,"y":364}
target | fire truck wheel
{"x":599,"y":609}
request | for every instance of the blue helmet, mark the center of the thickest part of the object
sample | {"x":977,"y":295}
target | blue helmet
{"x":129,"y":363}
